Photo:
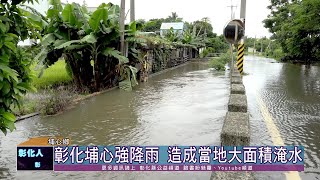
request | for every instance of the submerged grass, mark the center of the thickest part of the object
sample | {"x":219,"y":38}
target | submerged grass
{"x":220,"y":62}
{"x":47,"y":101}
{"x":55,"y":91}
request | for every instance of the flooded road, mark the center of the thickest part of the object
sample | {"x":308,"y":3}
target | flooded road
{"x":291,"y":94}
{"x":185,"y":106}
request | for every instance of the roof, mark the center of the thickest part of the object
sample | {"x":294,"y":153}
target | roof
{"x":178,"y":25}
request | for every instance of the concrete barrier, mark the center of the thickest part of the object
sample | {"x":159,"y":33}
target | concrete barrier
{"x":236,"y":74}
{"x":20,"y":118}
{"x":236,"y":126}
{"x":237,"y":89}
{"x":236,"y":129}
{"x":237,"y":103}
{"x":236,"y":80}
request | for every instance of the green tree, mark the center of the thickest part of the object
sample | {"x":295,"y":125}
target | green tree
{"x":16,"y":24}
{"x":87,"y":40}
{"x":153,"y":25}
{"x":203,"y":27}
{"x":173,"y":18}
{"x":295,"y":25}
{"x":249,"y":42}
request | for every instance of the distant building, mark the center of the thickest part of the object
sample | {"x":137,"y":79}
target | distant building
{"x":176,"y":26}
{"x":251,"y":50}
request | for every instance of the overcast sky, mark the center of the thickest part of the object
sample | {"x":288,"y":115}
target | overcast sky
{"x":217,"y":10}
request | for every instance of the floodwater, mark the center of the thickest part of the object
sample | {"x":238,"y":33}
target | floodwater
{"x":185,"y":106}
{"x":291,"y":94}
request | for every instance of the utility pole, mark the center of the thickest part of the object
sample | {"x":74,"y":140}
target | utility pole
{"x":231,"y":8}
{"x":243,"y":12}
{"x":231,"y":48}
{"x":132,"y":11}
{"x":122,"y":18}
{"x":261,"y":45}
{"x":254,"y":45}
{"x":241,"y":44}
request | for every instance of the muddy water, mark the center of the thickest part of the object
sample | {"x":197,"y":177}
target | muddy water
{"x":292,"y":96}
{"x":185,"y":106}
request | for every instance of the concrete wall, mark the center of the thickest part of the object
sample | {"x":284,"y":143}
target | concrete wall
{"x":157,"y":60}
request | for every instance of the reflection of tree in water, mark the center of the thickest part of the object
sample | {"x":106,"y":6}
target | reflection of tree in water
{"x":312,"y":82}
{"x":302,"y":118}
{"x":301,"y":82}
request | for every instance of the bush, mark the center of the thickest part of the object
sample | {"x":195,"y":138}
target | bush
{"x":217,"y":64}
{"x":220,"y":62}
{"x":278,"y":54}
{"x":204,"y":53}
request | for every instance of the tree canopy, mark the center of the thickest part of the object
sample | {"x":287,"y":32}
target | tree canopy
{"x":295,"y":25}
{"x":16,"y":24}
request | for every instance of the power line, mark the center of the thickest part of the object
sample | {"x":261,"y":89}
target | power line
{"x":231,"y":8}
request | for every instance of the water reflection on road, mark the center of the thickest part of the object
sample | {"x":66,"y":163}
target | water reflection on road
{"x":292,"y":95}
{"x":185,"y":106}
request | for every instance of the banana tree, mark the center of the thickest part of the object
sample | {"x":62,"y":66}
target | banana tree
{"x":101,"y":41}
{"x":82,"y":37}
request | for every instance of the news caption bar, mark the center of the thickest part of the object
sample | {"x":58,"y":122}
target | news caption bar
{"x":160,"y":158}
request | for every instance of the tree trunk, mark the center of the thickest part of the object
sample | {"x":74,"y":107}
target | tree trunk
{"x":75,"y":72}
{"x":96,"y":73}
{"x":87,"y":70}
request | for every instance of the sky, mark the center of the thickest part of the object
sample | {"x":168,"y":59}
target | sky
{"x":217,"y":10}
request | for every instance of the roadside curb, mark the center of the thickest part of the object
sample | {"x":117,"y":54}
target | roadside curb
{"x":77,"y":100}
{"x":20,"y":118}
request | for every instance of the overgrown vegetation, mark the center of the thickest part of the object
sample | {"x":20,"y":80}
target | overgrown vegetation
{"x":295,"y":26}
{"x":87,"y":43}
{"x":220,"y":62}
{"x":199,"y":33}
{"x":47,"y":101}
{"x":16,"y":24}
{"x":265,"y":47}
{"x":82,"y":37}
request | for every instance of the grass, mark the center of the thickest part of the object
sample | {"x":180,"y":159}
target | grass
{"x":27,"y":107}
{"x":48,"y":100}
{"x":53,"y":76}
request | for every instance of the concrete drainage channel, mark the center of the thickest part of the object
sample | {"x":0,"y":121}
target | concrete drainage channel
{"x":236,"y":126}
